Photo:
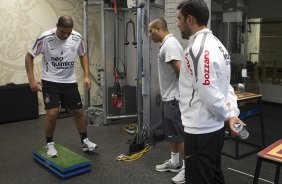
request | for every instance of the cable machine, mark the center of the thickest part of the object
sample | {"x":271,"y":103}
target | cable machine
{"x":142,"y":66}
{"x":112,"y":74}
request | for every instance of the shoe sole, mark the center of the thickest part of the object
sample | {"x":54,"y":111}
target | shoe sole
{"x":52,"y":156}
{"x":168,"y":170}
{"x":179,"y":182}
{"x":89,"y":149}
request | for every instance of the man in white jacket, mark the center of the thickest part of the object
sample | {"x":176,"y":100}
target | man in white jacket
{"x":207,"y":100}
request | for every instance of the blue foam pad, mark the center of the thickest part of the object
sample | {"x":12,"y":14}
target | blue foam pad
{"x":68,"y":163}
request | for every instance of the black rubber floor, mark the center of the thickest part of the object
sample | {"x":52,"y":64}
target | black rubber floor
{"x":20,"y":138}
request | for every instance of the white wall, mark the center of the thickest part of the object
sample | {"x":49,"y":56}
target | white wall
{"x":253,"y":39}
{"x":171,"y":18}
{"x":22,"y":21}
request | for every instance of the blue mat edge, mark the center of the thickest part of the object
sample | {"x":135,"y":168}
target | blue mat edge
{"x":61,"y":174}
{"x":51,"y":164}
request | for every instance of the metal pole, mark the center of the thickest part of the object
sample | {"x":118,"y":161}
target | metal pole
{"x":104,"y":64}
{"x":148,"y":126}
{"x":85,"y":30}
{"x":228,"y":38}
{"x":139,"y":72}
{"x":119,"y":9}
{"x":122,"y":116}
{"x":115,"y":41}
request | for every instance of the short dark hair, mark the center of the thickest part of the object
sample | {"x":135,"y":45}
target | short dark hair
{"x":65,"y":21}
{"x":159,"y":22}
{"x":196,"y":8}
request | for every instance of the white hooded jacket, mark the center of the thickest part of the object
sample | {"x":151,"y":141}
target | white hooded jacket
{"x":206,"y":97}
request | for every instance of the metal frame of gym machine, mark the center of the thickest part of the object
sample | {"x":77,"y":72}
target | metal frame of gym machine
{"x":149,"y":111}
{"x":92,"y":111}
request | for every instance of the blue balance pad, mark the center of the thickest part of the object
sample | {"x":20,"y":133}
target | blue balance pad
{"x":66,"y":165}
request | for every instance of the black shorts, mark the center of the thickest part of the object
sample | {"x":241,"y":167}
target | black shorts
{"x":173,"y":128}
{"x":65,"y":95}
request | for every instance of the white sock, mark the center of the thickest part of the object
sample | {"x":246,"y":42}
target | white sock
{"x":174,"y":158}
{"x":183,"y":166}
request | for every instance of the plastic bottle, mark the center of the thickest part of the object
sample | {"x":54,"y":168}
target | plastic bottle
{"x":242,"y":131}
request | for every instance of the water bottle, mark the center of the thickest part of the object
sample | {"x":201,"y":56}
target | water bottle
{"x":242,"y":131}
{"x":241,"y":88}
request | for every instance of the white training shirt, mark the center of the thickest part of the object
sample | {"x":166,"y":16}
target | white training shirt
{"x":206,"y":93}
{"x":58,"y":55}
{"x":170,"y":50}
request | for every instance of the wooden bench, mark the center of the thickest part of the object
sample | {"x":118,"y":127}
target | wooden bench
{"x":271,"y":154}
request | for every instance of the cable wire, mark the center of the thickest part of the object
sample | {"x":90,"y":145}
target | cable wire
{"x":134,"y":156}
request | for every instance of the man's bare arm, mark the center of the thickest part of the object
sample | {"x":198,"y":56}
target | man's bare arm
{"x":85,"y":67}
{"x":34,"y":84}
{"x":176,"y":66}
